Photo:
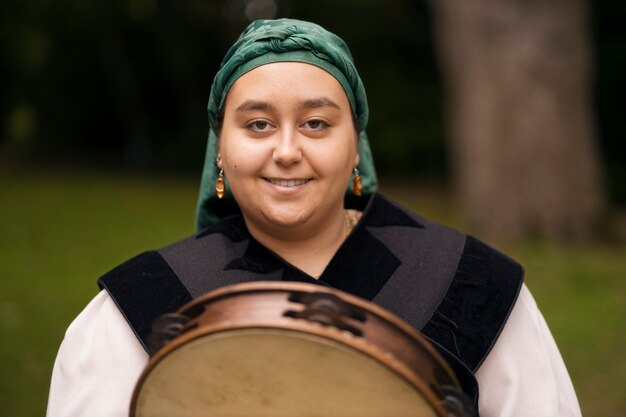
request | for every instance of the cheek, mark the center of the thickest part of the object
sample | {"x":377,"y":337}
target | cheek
{"x":335,"y":167}
{"x":239,"y":155}
{"x":336,"y":158}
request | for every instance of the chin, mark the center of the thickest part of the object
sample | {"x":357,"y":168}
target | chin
{"x":286,"y":218}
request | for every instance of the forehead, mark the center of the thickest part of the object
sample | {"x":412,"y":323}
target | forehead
{"x":284,"y":82}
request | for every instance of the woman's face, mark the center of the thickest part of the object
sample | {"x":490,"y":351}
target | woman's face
{"x":288,"y":145}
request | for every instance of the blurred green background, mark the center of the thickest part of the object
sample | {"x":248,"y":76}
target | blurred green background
{"x":102,"y":132}
{"x":63,"y":229}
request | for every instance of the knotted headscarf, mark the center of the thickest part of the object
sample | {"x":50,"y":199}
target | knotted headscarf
{"x":283,"y":40}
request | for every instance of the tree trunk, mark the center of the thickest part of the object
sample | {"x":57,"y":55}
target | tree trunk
{"x":521,"y":131}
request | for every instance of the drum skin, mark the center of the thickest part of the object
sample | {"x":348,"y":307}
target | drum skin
{"x":285,"y":349}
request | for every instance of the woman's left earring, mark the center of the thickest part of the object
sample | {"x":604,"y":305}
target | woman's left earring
{"x":219,"y":184}
{"x":357,"y":183}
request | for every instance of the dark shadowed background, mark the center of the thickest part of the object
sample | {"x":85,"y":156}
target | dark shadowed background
{"x":503,"y":118}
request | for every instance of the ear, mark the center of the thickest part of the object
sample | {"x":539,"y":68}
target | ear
{"x":356,"y":158}
{"x":218,"y":162}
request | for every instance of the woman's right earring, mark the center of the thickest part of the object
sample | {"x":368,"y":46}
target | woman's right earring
{"x":219,"y":184}
{"x":357,"y":183}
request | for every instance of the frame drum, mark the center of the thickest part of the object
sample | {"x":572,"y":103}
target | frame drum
{"x":287,"y":349}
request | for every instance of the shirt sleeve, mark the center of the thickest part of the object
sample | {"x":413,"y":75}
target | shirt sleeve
{"x":524,"y":375}
{"x":98,"y":364}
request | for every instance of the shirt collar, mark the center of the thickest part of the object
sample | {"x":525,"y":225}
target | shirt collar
{"x":361,"y":266}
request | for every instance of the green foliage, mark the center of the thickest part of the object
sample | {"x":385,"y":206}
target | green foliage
{"x":610,"y":88}
{"x":59,"y":231}
{"x":125,"y":82}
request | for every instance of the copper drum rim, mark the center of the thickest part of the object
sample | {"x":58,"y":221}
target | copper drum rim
{"x":359,"y":325}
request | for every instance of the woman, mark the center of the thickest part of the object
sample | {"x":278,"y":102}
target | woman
{"x":288,"y":113}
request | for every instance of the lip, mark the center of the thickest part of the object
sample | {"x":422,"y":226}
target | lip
{"x":287,"y":184}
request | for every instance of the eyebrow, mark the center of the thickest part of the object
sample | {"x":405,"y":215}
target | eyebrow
{"x":250,"y":105}
{"x":317,"y":103}
{"x":314,"y":103}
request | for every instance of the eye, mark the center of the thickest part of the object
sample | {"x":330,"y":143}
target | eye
{"x":259,"y":126}
{"x":316,"y":125}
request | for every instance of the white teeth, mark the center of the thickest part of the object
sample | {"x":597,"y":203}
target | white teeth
{"x":287,"y":183}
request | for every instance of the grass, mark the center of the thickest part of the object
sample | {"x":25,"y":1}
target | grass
{"x":61,"y":230}
{"x":582,"y":293}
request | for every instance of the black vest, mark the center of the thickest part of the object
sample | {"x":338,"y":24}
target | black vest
{"x":454,"y":289}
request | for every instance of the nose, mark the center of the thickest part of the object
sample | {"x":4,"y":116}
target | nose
{"x":287,"y":149}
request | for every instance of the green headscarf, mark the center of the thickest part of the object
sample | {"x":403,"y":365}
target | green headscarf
{"x":283,"y":40}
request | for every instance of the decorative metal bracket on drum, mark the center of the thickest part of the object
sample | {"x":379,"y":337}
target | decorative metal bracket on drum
{"x":165,"y":329}
{"x":326,"y":309}
{"x":455,"y":402}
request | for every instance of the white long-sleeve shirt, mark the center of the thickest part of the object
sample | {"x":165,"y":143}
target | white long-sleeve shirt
{"x":101,"y":359}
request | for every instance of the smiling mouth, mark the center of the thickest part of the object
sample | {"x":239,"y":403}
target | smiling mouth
{"x":286,"y":183}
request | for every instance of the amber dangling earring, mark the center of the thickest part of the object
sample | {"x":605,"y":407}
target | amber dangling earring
{"x":357,"y":183}
{"x":219,"y":184}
